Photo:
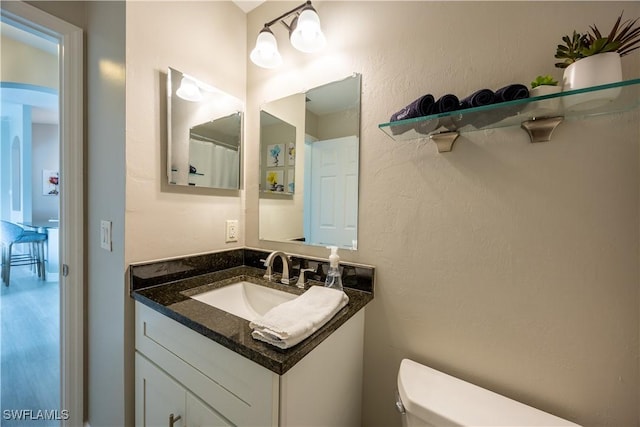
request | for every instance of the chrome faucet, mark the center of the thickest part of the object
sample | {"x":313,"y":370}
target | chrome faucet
{"x":286,"y":266}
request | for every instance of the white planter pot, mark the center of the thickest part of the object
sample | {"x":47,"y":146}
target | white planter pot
{"x":546,"y":107}
{"x":594,"y":70}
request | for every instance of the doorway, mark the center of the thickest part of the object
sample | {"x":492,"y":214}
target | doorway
{"x":331,"y":209}
{"x":41,"y":312}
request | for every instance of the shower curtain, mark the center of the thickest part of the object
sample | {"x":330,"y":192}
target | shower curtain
{"x":216,"y":165}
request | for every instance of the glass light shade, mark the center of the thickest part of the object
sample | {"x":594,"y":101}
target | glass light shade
{"x":307,"y":35}
{"x":266,"y":54}
{"x":189,"y":90}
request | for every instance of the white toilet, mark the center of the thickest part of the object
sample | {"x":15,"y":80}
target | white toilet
{"x":432,"y":398}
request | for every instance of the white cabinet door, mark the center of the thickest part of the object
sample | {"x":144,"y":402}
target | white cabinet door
{"x":201,"y":415}
{"x":158,"y":396}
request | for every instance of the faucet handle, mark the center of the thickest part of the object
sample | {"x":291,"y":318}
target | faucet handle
{"x":268,"y":274}
{"x":302,"y":279}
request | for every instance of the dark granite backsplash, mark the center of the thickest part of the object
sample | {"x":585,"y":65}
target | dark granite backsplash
{"x":159,"y":272}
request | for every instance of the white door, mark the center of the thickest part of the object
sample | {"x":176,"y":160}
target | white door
{"x":333,"y":205}
{"x":71,"y":248}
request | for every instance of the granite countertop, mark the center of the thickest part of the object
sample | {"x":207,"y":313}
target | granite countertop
{"x":172,"y":299}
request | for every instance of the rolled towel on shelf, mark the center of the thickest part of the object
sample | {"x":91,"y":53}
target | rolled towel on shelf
{"x":512,"y":92}
{"x":445,"y":104}
{"x":291,"y":322}
{"x":478,"y":98}
{"x":418,"y":108}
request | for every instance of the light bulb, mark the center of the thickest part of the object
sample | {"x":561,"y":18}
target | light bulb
{"x":189,"y":90}
{"x":266,"y":54}
{"x":307,"y":35}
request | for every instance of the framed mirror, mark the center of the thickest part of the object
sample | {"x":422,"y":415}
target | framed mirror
{"x":309,"y":147}
{"x":204,"y":134}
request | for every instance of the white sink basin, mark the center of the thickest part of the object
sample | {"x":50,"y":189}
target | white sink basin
{"x":244,"y":299}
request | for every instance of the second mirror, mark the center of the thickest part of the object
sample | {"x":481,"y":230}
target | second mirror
{"x":309,"y":151}
{"x":204,"y":134}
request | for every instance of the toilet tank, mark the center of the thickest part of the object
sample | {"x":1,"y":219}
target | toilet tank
{"x":433,"y":398}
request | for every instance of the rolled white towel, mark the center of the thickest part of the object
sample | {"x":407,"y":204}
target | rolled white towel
{"x":291,"y":322}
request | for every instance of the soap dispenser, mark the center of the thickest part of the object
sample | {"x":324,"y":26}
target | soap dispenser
{"x":334,"y":278}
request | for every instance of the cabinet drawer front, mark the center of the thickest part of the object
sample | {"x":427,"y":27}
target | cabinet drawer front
{"x":241,"y":390}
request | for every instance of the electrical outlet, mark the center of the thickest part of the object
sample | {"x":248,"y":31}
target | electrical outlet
{"x":105,"y":235}
{"x":231,"y":234}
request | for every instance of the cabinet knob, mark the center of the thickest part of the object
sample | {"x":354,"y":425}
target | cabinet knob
{"x":173,"y":419}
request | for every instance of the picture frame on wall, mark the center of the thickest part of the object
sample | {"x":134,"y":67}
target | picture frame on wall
{"x":50,"y":182}
{"x":291,"y":179}
{"x":291,"y":153}
{"x":275,"y":180}
{"x":275,"y":155}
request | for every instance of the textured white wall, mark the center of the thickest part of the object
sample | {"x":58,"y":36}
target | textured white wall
{"x":208,"y":41}
{"x":509,"y":264}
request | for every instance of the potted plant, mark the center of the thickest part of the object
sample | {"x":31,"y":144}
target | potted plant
{"x":592,"y":59}
{"x":591,"y":50}
{"x":544,"y":85}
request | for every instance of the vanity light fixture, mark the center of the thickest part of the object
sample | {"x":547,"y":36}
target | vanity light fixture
{"x":305,"y":35}
{"x":189,"y":90}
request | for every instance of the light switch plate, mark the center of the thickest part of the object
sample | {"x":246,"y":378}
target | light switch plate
{"x":231,"y":231}
{"x":105,"y":235}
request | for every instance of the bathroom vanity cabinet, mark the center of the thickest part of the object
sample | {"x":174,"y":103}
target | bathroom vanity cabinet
{"x":184,"y":378}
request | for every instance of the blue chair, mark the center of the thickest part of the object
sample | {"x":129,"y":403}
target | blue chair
{"x":12,"y":234}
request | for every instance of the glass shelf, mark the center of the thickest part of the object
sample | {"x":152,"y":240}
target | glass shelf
{"x":538,"y":115}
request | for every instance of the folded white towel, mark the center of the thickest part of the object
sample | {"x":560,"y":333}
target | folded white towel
{"x":291,"y":322}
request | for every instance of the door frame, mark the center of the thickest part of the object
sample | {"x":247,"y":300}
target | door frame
{"x":71,"y":112}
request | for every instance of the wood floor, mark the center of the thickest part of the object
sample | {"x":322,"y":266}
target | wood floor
{"x":29,"y":349}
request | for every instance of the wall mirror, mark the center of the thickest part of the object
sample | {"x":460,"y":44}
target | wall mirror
{"x":309,"y":147}
{"x":204,"y":134}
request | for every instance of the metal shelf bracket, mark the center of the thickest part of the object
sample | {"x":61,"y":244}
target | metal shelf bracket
{"x":540,"y":130}
{"x":444,"y":141}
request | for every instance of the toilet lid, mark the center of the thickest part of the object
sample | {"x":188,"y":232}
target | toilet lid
{"x":442,"y":400}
